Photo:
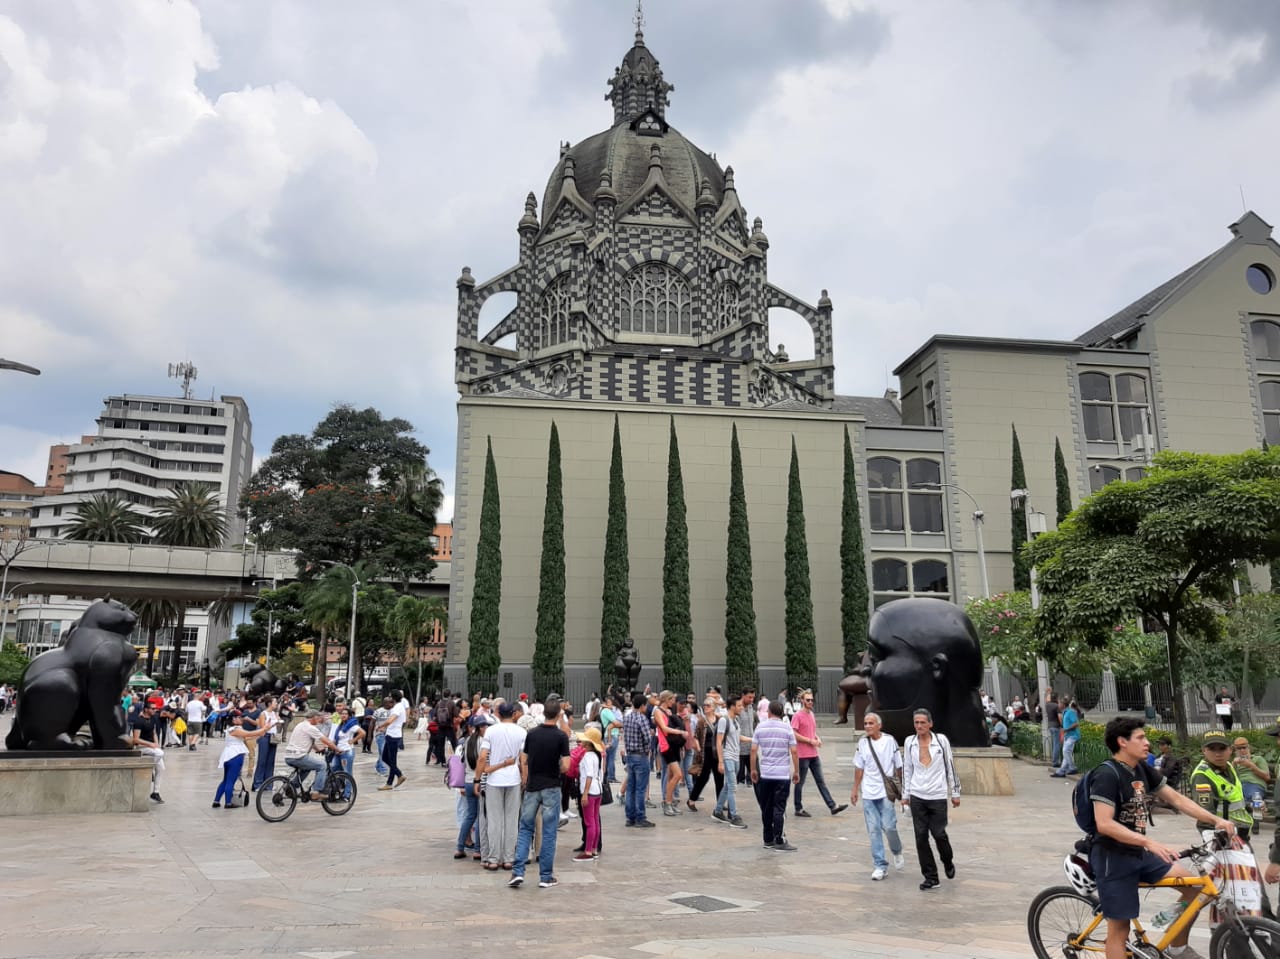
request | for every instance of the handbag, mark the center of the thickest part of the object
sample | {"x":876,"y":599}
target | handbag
{"x":606,"y":793}
{"x":892,"y":788}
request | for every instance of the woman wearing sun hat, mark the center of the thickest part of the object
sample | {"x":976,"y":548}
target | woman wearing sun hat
{"x":589,"y":785}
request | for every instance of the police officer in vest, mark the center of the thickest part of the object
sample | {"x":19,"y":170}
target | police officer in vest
{"x":1216,"y":786}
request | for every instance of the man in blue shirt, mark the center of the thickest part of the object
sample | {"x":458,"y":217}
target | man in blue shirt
{"x":1070,"y":736}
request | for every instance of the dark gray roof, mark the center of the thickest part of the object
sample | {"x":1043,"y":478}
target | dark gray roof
{"x":625,"y":154}
{"x":1133,"y":314}
{"x":876,"y":409}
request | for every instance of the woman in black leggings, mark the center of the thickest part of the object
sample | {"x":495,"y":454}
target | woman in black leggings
{"x":706,"y":739}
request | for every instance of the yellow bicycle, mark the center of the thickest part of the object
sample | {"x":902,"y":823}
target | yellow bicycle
{"x":1065,"y":922}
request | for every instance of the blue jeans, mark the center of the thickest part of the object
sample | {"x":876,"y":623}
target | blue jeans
{"x":230,"y":773}
{"x":610,"y":753}
{"x":1055,"y":742}
{"x":345,"y":761}
{"x":379,"y":740}
{"x":637,"y":785}
{"x":470,"y":813}
{"x":813,"y":765}
{"x":1068,"y":756}
{"x":685,"y":762}
{"x":727,"y":801}
{"x":881,"y":819}
{"x":266,"y":767}
{"x":313,"y":763}
{"x":548,"y":800}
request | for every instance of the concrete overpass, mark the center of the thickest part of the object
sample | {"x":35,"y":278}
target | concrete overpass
{"x":125,"y":570}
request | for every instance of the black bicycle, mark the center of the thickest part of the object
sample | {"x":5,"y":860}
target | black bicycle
{"x":279,"y":796}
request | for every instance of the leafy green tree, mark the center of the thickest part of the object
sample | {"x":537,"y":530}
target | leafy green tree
{"x":190,"y":517}
{"x":548,"y":646}
{"x":677,"y":620}
{"x":292,"y":661}
{"x":854,"y":595}
{"x":106,"y":518}
{"x":1018,"y":516}
{"x":1250,"y":647}
{"x":1275,"y":564}
{"x":484,"y":657}
{"x":801,"y":643}
{"x":615,"y":614}
{"x":357,"y":489}
{"x":741,"y":655}
{"x":1164,"y":548}
{"x":1061,"y":482}
{"x":283,"y":610}
{"x":411,"y":620}
{"x":12,"y":662}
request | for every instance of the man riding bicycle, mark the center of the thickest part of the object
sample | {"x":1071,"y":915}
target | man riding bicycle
{"x":1122,"y":792}
{"x":300,"y":752}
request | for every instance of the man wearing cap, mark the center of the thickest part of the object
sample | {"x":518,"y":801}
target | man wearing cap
{"x":1215,"y":784}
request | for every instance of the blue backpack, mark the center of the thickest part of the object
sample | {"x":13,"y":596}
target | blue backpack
{"x":1082,"y":805}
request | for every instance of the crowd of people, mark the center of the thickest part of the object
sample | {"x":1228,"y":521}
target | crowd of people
{"x":522,"y":774}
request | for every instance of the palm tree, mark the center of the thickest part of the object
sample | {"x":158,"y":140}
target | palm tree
{"x":191,"y":516}
{"x":327,"y":606}
{"x":411,"y":619}
{"x":106,"y":518}
{"x":154,"y":615}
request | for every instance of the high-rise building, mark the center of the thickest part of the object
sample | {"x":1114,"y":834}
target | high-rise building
{"x":56,"y":475}
{"x":18,"y":496}
{"x":147,"y":445}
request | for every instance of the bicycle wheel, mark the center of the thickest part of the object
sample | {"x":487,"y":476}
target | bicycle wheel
{"x":1056,"y":922}
{"x":339,"y":794}
{"x":277,"y":799}
{"x":1253,"y":938}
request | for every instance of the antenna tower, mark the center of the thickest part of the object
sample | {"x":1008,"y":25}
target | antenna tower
{"x":185,"y":372}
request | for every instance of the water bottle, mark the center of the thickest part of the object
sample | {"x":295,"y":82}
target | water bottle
{"x":1166,"y":917}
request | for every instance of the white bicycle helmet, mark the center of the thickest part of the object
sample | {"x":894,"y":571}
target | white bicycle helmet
{"x":1080,"y":873}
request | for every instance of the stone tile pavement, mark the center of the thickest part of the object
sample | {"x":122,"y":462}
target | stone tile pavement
{"x":188,"y":880}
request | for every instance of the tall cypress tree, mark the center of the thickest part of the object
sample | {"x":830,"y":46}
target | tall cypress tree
{"x":1061,"y":481}
{"x":483,"y":655}
{"x":677,"y":627}
{"x":741,"y":657}
{"x":801,"y":644}
{"x":548,"y":647}
{"x":855,"y":595}
{"x":615,"y":614}
{"x":1018,"y":518}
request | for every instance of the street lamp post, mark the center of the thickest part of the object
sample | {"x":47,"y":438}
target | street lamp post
{"x":1036,"y":524}
{"x":978,"y":523}
{"x":271,"y":615}
{"x":20,"y":367}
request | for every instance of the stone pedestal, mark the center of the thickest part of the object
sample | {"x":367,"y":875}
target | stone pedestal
{"x":73,"y":783}
{"x":984,"y":770}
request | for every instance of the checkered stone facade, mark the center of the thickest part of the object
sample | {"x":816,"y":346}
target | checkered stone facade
{"x":636,"y":195}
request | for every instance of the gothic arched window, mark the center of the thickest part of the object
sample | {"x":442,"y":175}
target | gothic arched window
{"x":728,"y":304}
{"x":655,"y":299}
{"x":553,"y":317}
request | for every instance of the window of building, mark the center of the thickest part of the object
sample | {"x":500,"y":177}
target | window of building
{"x":655,"y":299}
{"x":728,"y":304}
{"x":896,"y":579}
{"x":923,"y":494}
{"x":1100,"y":476}
{"x":1260,"y":279}
{"x":1135,"y":473}
{"x":1270,"y":391}
{"x":553,"y":316}
{"x":1113,"y":406}
{"x":930,"y":403}
{"x":1266,"y":339}
{"x":884,"y":480}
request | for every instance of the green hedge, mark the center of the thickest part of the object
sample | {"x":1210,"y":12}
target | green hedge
{"x":1024,"y":740}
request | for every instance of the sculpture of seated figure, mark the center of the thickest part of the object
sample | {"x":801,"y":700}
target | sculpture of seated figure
{"x":262,"y":680}
{"x":925,"y":654}
{"x":80,"y":681}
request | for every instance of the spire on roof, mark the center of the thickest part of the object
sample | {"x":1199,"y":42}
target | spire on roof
{"x":637,"y":85}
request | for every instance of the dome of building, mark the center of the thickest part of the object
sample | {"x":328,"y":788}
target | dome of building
{"x":639,"y":95}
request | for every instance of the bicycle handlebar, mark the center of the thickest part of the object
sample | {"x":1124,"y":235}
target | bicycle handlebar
{"x":1221,"y":840}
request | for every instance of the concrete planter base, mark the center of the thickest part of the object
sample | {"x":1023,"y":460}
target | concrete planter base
{"x":984,"y":770}
{"x":74,"y":783}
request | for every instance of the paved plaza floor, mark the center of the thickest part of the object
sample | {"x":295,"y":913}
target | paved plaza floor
{"x":189,"y":880}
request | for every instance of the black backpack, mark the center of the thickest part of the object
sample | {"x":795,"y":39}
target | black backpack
{"x":444,"y":715}
{"x":1082,"y":805}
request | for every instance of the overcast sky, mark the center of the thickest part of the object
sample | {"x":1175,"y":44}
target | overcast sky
{"x":283,"y":193}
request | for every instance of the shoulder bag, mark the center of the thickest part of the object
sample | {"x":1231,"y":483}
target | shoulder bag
{"x":892,"y":788}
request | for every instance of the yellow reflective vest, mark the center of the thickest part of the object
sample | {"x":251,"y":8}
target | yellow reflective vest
{"x":1221,"y":795}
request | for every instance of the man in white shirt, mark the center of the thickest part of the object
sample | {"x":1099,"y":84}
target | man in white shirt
{"x":393,"y":728}
{"x":877,"y":756}
{"x":195,"y":721}
{"x":300,"y":751}
{"x":928,"y":777}
{"x":499,"y":765}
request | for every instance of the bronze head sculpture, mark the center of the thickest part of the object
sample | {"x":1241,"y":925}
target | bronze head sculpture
{"x":925,"y":654}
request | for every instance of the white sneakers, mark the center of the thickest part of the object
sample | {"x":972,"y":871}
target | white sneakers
{"x":878,"y":874}
{"x":898,"y":861}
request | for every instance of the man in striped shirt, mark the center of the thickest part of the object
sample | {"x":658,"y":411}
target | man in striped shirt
{"x":774,"y":767}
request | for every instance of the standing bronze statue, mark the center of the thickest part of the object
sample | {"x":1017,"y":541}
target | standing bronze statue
{"x":80,"y":681}
{"x":855,"y":693}
{"x":925,"y":654}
